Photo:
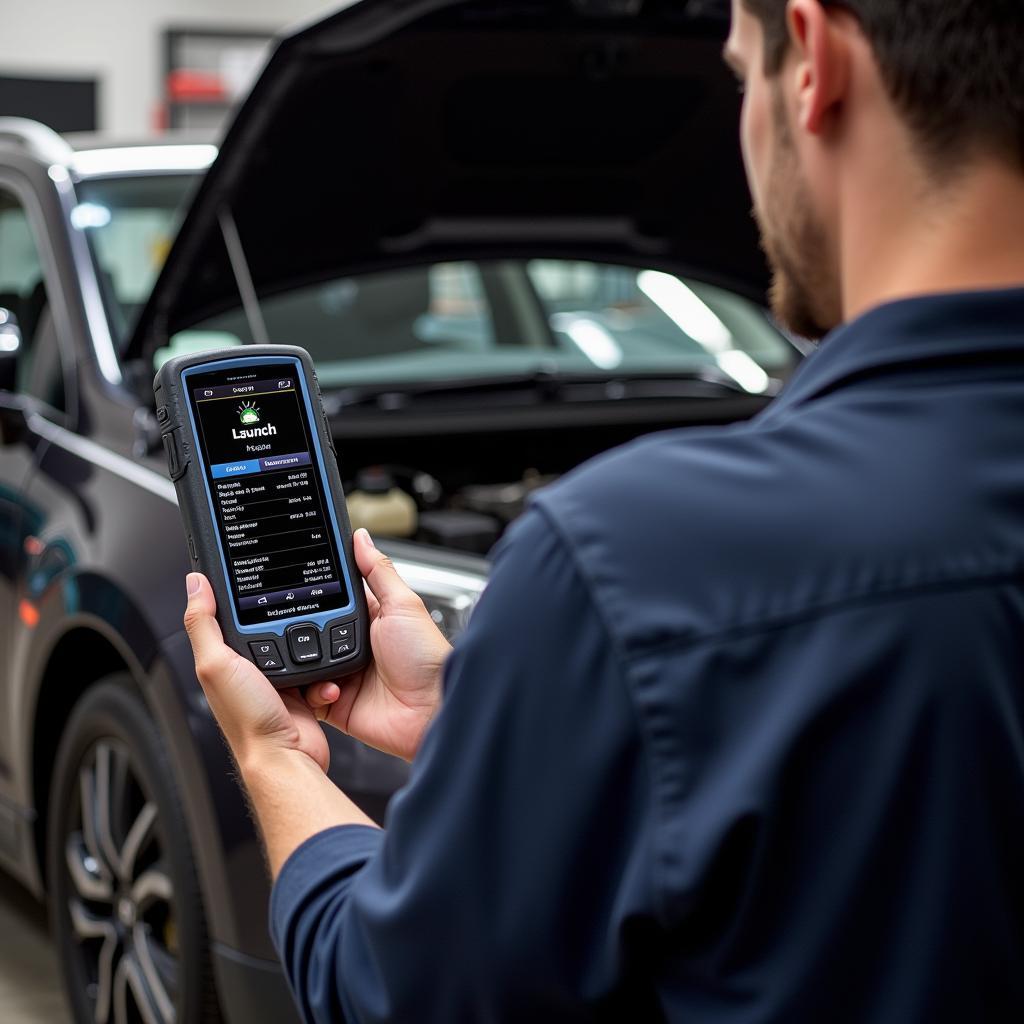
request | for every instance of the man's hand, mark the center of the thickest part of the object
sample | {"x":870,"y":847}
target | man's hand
{"x":389,"y":704}
{"x":257,"y":720}
{"x":281,"y":750}
{"x":276,"y":738}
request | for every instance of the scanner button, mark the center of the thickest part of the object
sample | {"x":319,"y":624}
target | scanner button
{"x":176,"y":463}
{"x":171,"y":450}
{"x":304,"y":643}
{"x":162,"y":414}
{"x":266,"y":655}
{"x":343,"y":640}
{"x":343,"y":632}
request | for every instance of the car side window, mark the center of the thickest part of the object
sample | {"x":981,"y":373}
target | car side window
{"x":23,"y":293}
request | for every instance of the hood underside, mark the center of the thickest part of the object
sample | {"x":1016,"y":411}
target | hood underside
{"x":398,"y":132}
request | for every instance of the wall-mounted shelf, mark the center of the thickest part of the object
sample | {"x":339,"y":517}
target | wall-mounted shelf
{"x":207,"y":71}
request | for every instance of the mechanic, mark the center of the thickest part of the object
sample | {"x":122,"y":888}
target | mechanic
{"x":736,"y":732}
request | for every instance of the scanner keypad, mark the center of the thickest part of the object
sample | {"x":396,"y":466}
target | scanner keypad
{"x":306,"y":646}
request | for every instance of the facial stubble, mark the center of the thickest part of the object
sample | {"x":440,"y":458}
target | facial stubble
{"x":805,"y":292}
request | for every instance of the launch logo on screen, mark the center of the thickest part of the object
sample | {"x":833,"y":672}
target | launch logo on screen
{"x":249,"y":413}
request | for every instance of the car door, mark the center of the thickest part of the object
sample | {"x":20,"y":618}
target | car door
{"x":33,"y":384}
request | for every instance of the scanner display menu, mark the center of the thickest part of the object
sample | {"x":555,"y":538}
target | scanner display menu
{"x":268,"y":495}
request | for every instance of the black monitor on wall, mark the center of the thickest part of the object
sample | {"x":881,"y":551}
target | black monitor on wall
{"x":65,"y":104}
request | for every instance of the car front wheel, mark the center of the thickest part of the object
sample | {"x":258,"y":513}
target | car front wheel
{"x":125,"y":907}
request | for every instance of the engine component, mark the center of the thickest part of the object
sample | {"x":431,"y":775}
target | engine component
{"x":377,"y":505}
{"x":505,"y":501}
{"x":459,"y":529}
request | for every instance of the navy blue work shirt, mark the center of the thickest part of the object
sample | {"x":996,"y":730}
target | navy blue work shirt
{"x":736,"y":732}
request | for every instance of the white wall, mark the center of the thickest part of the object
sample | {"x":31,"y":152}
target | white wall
{"x":120,"y":42}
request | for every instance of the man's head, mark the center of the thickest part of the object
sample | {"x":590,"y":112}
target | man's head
{"x":848,"y":99}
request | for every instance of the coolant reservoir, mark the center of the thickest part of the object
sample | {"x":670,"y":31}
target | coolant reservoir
{"x":377,"y":505}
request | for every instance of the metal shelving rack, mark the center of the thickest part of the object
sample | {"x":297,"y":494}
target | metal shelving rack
{"x":207,"y":71}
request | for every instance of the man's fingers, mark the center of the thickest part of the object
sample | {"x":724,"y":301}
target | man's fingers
{"x":203,"y":629}
{"x":383,"y":580}
{"x":320,"y":698}
{"x":321,"y":695}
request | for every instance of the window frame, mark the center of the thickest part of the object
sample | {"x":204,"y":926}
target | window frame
{"x":22,"y":191}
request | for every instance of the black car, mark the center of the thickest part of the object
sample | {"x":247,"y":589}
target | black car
{"x":510,"y":235}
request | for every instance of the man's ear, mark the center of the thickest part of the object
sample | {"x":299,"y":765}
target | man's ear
{"x":821,"y":71}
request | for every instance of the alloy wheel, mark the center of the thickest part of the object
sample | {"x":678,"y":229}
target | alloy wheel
{"x":121,"y":900}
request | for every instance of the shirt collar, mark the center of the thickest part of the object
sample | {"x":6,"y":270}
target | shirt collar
{"x":925,"y":330}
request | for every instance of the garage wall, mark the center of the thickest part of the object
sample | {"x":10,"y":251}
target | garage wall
{"x":120,"y":43}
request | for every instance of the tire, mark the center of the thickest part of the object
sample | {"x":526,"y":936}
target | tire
{"x":125,"y":907}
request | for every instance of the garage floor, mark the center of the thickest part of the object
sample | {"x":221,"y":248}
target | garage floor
{"x":30,"y":988}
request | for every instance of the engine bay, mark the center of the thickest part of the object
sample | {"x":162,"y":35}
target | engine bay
{"x":408,"y":504}
{"x":460,"y":490}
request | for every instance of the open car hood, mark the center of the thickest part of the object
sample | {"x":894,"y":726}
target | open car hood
{"x":405,"y":131}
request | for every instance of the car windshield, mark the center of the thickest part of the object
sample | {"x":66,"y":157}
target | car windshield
{"x":130,"y":223}
{"x":463,"y":321}
{"x":452,"y":321}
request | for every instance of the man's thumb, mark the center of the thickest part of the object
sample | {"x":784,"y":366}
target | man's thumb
{"x":200,"y":622}
{"x":378,"y":570}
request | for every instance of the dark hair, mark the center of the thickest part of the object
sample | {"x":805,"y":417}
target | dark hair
{"x":954,"y":68}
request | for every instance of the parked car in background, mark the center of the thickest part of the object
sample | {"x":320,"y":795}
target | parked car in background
{"x":510,"y":237}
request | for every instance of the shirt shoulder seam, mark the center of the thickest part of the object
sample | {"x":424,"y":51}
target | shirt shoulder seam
{"x":620,"y":657}
{"x":824,"y":609}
